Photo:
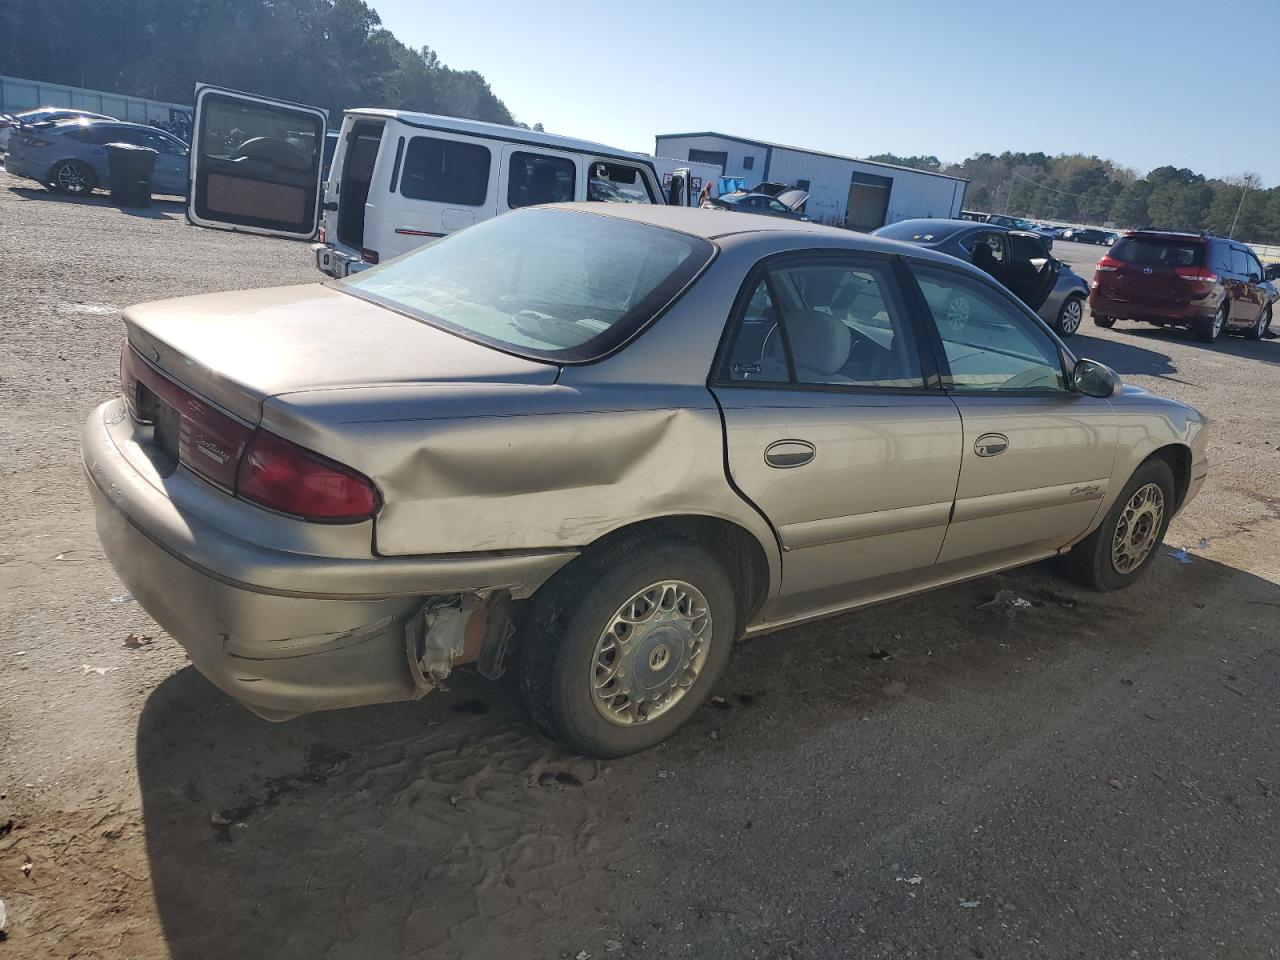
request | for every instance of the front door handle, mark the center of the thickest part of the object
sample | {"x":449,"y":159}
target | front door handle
{"x":991,"y":445}
{"x":785,"y":454}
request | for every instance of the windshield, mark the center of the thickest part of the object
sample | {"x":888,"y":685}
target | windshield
{"x":549,"y":284}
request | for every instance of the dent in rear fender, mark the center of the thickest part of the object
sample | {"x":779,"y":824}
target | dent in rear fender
{"x":474,"y":468}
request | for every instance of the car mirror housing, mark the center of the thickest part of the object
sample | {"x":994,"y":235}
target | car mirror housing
{"x":1094,"y":379}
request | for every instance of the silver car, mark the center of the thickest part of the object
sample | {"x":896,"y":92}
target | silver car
{"x":71,"y":156}
{"x":601,"y":443}
{"x":1017,"y":258}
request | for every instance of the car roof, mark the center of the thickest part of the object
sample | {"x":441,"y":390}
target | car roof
{"x":721,"y":224}
{"x":107,"y":122}
{"x":942,"y":228}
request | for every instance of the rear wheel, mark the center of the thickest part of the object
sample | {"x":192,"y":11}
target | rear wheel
{"x":1104,"y":322}
{"x":1069,"y":316}
{"x":1114,"y":555}
{"x":73,"y":176}
{"x":1207,"y":333}
{"x":1259,"y":329}
{"x":623,"y":646}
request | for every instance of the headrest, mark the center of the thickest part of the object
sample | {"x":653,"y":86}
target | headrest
{"x":819,"y":341}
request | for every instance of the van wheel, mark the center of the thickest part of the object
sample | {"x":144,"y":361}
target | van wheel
{"x":1069,"y":316}
{"x":73,"y":177}
{"x":1207,"y":333}
{"x":623,"y":646}
{"x":1116,"y":554}
{"x":1259,"y":329}
{"x":1104,"y":322}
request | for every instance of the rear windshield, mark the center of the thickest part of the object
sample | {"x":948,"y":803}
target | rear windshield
{"x":1152,"y":252}
{"x":548,"y":284}
{"x":914,"y":231}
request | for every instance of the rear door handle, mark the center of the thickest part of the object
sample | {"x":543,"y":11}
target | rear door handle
{"x":991,"y":445}
{"x":785,"y":454}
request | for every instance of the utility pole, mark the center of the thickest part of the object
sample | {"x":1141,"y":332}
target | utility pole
{"x":1244,"y":188}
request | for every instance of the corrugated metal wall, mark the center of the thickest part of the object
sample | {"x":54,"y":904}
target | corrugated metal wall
{"x":17,"y":95}
{"x":914,"y":193}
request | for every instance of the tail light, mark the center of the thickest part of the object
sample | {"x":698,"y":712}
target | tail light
{"x":322,"y":234}
{"x":1199,"y":274}
{"x":250,"y":463}
{"x":368,"y":256}
{"x":1109,"y":264}
{"x":282,"y":476}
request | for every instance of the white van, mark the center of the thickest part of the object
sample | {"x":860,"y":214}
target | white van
{"x":398,"y":179}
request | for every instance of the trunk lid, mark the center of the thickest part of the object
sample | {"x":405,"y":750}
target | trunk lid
{"x":236,"y":349}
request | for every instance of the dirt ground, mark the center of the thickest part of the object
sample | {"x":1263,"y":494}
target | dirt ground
{"x":1093,"y":776}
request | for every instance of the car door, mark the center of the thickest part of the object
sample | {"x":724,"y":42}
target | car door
{"x":1037,"y":456}
{"x":170,"y":175}
{"x":836,"y":428}
{"x":255,"y":164}
{"x":1032,"y":272}
{"x":532,"y":175}
{"x":1253,"y":295}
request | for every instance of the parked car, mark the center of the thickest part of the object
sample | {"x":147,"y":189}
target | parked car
{"x":786,"y":204}
{"x":39,"y":119}
{"x":71,"y":157}
{"x":398,"y":179}
{"x":1018,"y":259}
{"x":629,"y":434}
{"x":1026,"y":226}
{"x":1207,"y":284}
{"x":1271,"y":271}
{"x":1090,"y":235}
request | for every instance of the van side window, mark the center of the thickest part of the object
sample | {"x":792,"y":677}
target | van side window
{"x":618,"y":183}
{"x":537,"y":178}
{"x":446,"y":171}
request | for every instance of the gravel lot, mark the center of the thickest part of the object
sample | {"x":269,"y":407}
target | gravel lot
{"x":1095,"y":776}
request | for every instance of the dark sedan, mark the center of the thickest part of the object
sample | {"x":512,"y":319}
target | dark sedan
{"x":1017,"y":258}
{"x":788,"y":204}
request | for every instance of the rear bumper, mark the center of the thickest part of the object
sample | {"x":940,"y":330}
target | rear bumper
{"x":283,"y":633}
{"x":1189,"y":314}
{"x":333,"y":262}
{"x":21,"y":167}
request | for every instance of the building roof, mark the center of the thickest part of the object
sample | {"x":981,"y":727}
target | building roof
{"x":813,"y":153}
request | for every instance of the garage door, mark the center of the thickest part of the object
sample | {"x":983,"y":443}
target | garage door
{"x":868,"y":201}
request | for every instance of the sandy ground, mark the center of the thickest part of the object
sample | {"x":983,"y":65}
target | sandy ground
{"x":1095,"y":776}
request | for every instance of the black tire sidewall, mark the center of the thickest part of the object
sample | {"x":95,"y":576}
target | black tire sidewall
{"x":1105,"y":322}
{"x":599,"y":591}
{"x":1206,"y":333}
{"x":90,"y":178}
{"x":1105,"y":574}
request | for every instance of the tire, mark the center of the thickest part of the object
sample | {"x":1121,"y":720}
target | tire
{"x":74,"y":177}
{"x":1105,"y":322}
{"x":1092,"y":561}
{"x":1070,"y":316}
{"x":1207,"y":333}
{"x":570,"y":627}
{"x":1259,"y":329}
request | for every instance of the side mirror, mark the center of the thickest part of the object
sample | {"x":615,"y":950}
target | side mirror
{"x":1094,"y":379}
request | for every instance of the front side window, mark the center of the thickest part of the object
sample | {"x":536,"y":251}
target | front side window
{"x":445,"y":171}
{"x":1027,"y":248}
{"x":617,"y":183}
{"x":1239,"y":264}
{"x":534,"y":178}
{"x":987,"y":342}
{"x":1253,"y":264}
{"x":826,"y":321}
{"x":543,"y":283}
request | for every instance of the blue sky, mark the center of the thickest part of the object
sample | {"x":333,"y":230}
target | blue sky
{"x":1196,"y":84}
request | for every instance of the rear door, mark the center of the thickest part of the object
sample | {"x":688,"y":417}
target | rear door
{"x":1033,"y":273}
{"x":255,"y":164}
{"x":531,"y":175}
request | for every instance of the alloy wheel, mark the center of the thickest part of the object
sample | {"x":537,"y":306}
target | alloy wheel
{"x":72,"y":178}
{"x":1137,"y":528}
{"x":1072,"y":314}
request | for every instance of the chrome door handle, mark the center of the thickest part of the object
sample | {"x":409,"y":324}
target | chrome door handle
{"x":991,"y":445}
{"x":784,"y":454}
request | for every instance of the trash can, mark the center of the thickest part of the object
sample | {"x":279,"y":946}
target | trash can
{"x":129,"y":168}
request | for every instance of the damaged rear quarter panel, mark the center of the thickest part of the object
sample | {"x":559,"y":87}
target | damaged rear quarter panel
{"x":485,"y":467}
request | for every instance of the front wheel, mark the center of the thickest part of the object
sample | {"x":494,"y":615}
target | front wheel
{"x":1207,"y":333}
{"x":1259,"y":329}
{"x":1069,"y":316}
{"x":1116,"y":554}
{"x":624,"y":645}
{"x":1105,"y":322}
{"x":73,"y":177}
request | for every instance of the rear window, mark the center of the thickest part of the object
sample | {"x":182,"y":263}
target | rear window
{"x":446,"y":171}
{"x":1152,"y":252}
{"x":548,"y":284}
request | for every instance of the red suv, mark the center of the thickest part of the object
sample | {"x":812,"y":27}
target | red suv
{"x":1196,"y":280}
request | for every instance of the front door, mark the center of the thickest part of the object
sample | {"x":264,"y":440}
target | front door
{"x":1037,"y":456}
{"x":832,"y":432}
{"x":531,"y":175}
{"x":255,"y":164}
{"x":1033,"y":273}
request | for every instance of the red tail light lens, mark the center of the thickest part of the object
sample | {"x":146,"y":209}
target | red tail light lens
{"x":282,"y":476}
{"x":368,"y":256}
{"x":1109,"y":265}
{"x":1201,"y":274}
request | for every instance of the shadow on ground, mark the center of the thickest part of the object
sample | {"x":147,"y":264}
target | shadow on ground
{"x":160,"y":209}
{"x":1038,"y":756}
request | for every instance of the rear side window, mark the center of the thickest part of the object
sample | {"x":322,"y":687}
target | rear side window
{"x":538,"y":178}
{"x":618,"y":183}
{"x":1027,"y":248}
{"x":1239,"y":262}
{"x":445,"y":171}
{"x":1150,"y":252}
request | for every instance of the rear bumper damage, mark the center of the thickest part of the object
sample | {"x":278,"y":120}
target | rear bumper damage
{"x":285,"y":633}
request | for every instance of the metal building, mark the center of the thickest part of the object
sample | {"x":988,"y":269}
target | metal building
{"x":859,"y":194}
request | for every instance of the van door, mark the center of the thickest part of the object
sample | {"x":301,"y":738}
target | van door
{"x":615,"y":181}
{"x":531,"y":175}
{"x":255,"y":164}
{"x":440,"y":183}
